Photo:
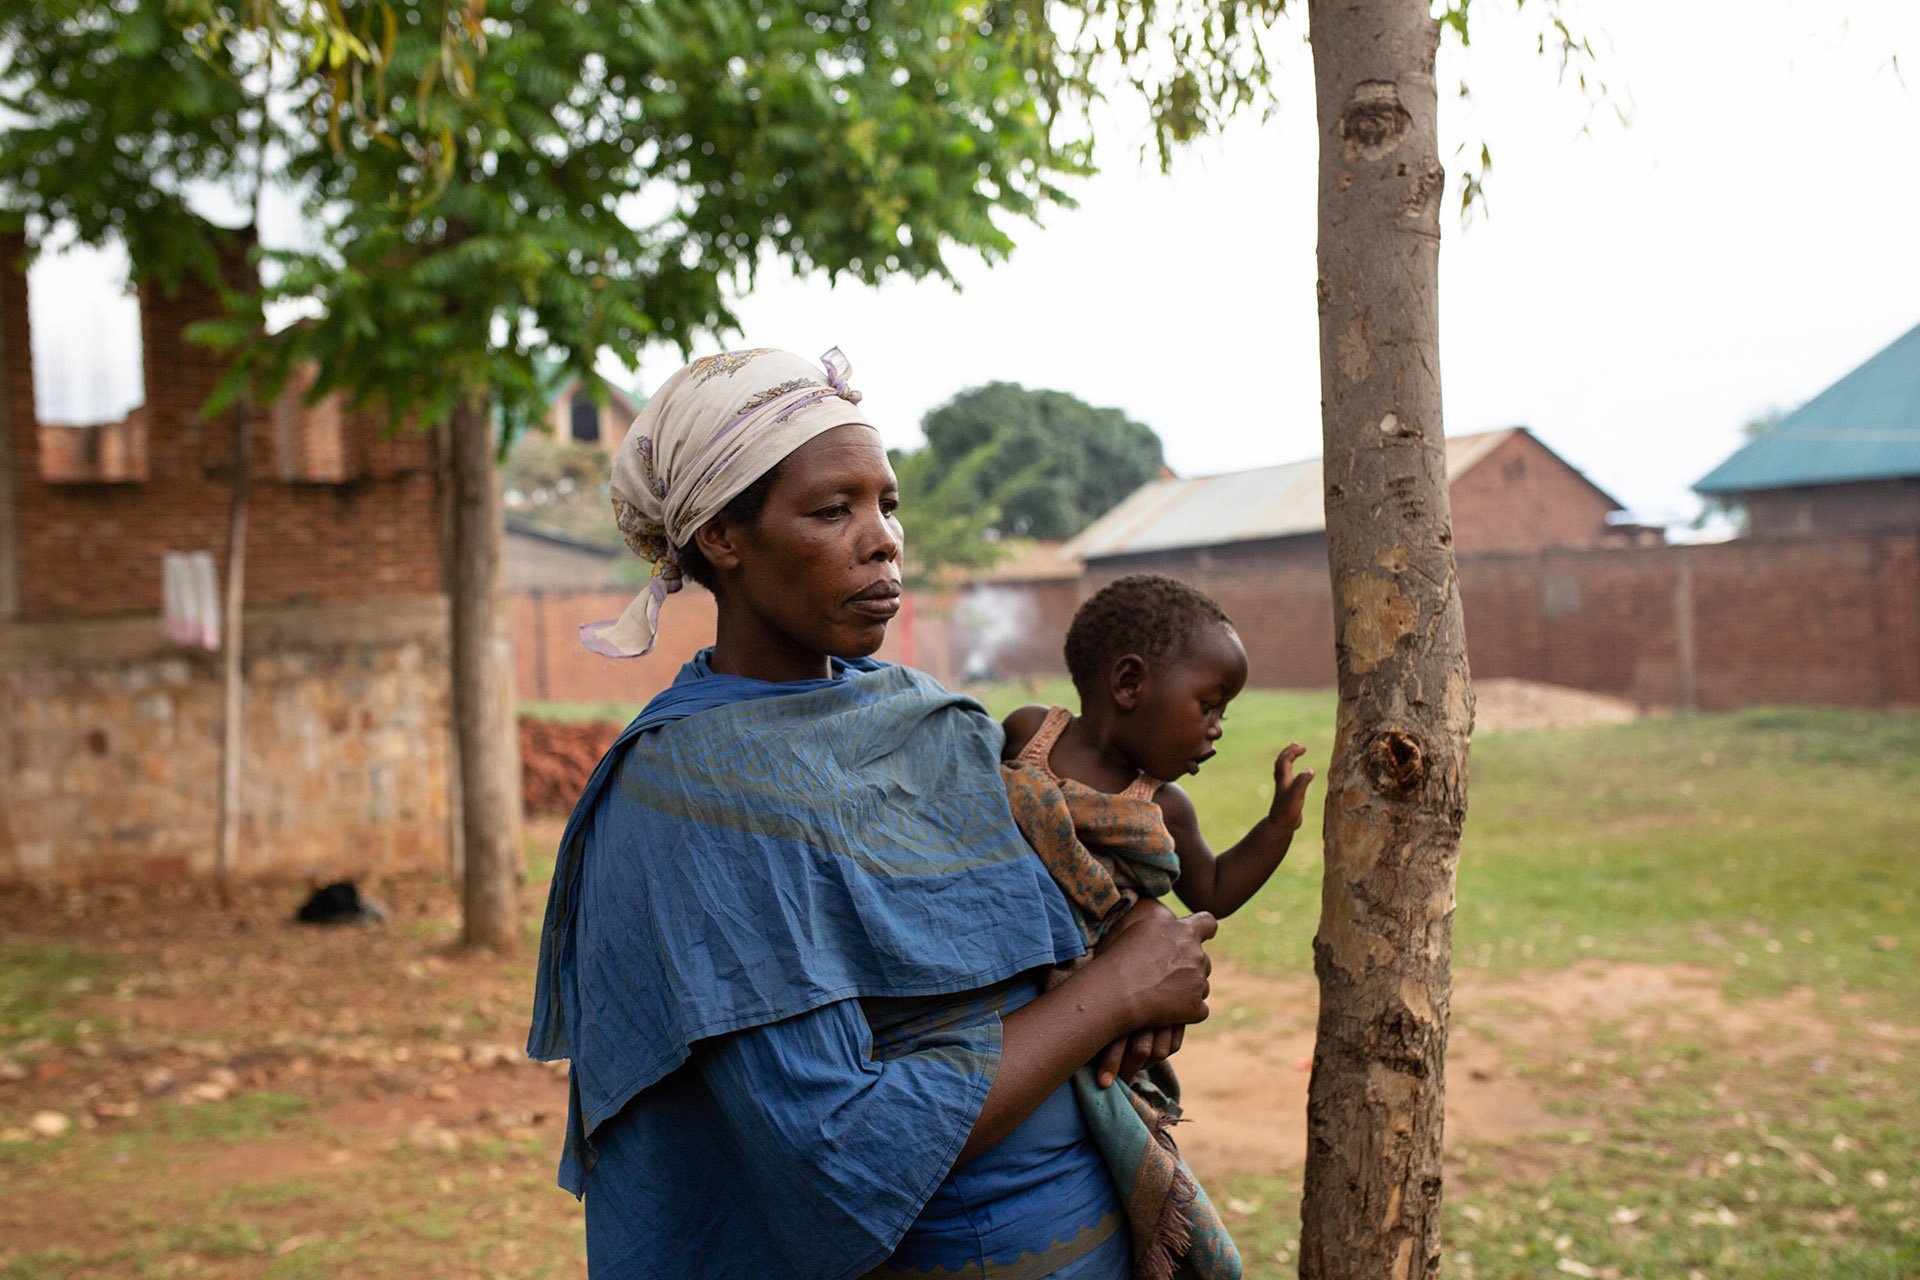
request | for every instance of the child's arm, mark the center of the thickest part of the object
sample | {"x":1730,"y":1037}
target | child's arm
{"x":1221,"y":884}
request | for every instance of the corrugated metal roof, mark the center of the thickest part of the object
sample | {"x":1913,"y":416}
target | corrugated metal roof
{"x":1241,"y":506}
{"x":1864,"y":427}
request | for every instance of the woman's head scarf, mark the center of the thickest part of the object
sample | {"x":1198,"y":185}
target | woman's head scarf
{"x":709,"y":432}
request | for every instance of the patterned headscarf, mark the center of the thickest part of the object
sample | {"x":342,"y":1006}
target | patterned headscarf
{"x":709,"y":432}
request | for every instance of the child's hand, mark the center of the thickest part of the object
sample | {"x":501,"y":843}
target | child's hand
{"x":1289,"y":788}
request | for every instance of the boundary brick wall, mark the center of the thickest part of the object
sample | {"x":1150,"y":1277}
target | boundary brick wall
{"x":550,"y":665}
{"x":1821,"y":620}
{"x":110,"y":747}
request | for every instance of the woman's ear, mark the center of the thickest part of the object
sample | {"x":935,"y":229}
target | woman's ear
{"x":719,"y":543}
{"x":1127,"y":678}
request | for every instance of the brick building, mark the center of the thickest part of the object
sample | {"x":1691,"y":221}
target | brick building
{"x":1256,"y":540}
{"x":1847,"y":461}
{"x":109,"y":734}
{"x":573,"y":415}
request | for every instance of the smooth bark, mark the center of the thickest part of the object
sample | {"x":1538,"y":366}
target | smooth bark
{"x":489,"y":765}
{"x":232,"y":666}
{"x":1397,"y":785}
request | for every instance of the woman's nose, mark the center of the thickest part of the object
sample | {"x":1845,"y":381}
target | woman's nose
{"x":884,"y":539}
{"x":1214,"y":730}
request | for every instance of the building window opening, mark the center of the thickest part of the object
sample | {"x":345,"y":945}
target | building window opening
{"x":585,"y":419}
{"x":89,"y":385}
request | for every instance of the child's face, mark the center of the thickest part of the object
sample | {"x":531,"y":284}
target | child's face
{"x":1181,"y":703}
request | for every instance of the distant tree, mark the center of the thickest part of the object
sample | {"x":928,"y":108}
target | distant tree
{"x":1761,"y":423}
{"x":1046,"y":463}
{"x":947,"y":526}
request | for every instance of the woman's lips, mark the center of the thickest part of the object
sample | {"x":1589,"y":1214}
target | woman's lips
{"x":881,"y":600}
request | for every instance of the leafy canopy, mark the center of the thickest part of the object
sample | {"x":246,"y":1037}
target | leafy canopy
{"x":1038,"y":464}
{"x":485,"y":185}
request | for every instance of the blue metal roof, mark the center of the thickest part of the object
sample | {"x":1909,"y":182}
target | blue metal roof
{"x":1864,"y":427}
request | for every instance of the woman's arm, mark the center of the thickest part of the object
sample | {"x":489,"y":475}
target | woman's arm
{"x":1154,"y":975}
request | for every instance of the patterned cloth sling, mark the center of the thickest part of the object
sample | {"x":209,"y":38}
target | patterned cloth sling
{"x":1106,"y":852}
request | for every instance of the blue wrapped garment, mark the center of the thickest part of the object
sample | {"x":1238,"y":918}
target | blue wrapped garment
{"x":748,"y":863}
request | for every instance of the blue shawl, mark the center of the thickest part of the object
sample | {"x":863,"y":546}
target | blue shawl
{"x":748,"y":851}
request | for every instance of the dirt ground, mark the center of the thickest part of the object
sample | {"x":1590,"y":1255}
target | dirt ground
{"x":398,"y":1038}
{"x":1503,"y":703}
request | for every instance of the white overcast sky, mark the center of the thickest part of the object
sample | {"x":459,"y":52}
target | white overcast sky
{"x":1634,"y":293}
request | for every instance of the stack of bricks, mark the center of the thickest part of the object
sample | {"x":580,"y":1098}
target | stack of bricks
{"x":368,"y":530}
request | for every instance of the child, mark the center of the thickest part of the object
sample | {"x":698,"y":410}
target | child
{"x":1155,"y":663}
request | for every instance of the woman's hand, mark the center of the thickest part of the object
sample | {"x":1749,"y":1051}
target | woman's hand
{"x":1132,"y":1053}
{"x":1154,"y":974}
{"x":1164,"y":971}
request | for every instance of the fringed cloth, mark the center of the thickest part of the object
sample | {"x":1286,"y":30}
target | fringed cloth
{"x":1106,"y":852}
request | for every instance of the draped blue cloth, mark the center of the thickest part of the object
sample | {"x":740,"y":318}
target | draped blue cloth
{"x":748,"y":862}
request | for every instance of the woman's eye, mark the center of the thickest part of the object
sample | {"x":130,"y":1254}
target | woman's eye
{"x":832,"y":513}
{"x":889,"y":507}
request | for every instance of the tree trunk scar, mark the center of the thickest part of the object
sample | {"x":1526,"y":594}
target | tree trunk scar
{"x":1393,"y":559}
{"x":1350,"y":947}
{"x":1416,"y":1001}
{"x":1356,"y":349}
{"x":1426,"y":189}
{"x":1378,"y":618}
{"x":1374,"y":122}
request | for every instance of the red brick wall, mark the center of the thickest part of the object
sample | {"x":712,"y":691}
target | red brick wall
{"x":1857,"y":507}
{"x":91,"y":549}
{"x":550,"y":665}
{"x":109,"y":453}
{"x":1832,"y":620}
{"x":1523,"y":496}
{"x":1274,"y":590}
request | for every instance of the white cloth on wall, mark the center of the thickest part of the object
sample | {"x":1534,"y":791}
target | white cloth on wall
{"x":190,"y":592}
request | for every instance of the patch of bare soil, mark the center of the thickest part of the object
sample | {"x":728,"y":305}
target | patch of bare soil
{"x":391,"y":1031}
{"x":1245,"y":1087}
{"x":1502,"y":704}
{"x":396,"y":1036}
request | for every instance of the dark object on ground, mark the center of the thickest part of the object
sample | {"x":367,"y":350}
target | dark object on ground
{"x":340,"y":903}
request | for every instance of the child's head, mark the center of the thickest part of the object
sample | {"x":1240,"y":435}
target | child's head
{"x":1162,"y":661}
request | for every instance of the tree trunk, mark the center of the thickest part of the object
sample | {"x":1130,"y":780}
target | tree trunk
{"x":232,"y":673}
{"x":489,"y":765}
{"x":1397,"y":785}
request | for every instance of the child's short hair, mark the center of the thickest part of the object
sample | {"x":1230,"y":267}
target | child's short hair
{"x":1145,"y":613}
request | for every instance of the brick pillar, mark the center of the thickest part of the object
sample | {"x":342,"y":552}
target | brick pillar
{"x":17,"y":415}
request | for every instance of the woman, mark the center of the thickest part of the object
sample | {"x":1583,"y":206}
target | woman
{"x":794,"y":946}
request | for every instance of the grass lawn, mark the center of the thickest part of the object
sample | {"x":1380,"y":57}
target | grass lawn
{"x":1771,"y":856}
{"x":1777,"y":850}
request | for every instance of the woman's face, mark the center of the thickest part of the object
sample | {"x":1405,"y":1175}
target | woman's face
{"x":818,"y":574}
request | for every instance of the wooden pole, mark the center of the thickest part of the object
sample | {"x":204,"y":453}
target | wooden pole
{"x":232,"y":640}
